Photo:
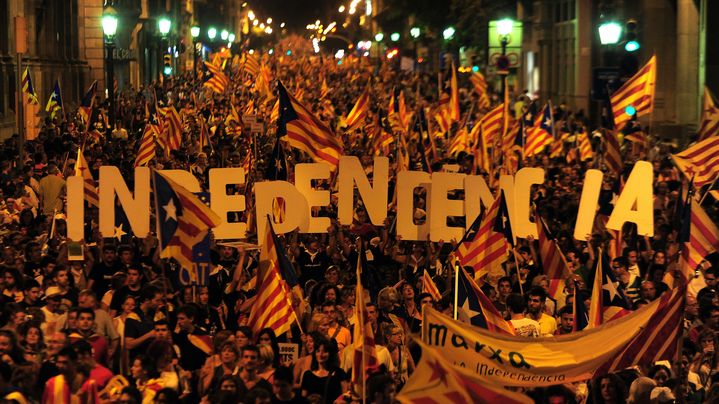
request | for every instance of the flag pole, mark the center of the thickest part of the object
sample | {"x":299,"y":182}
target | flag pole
{"x":707,"y":191}
{"x":519,"y":275}
{"x":456,"y":287}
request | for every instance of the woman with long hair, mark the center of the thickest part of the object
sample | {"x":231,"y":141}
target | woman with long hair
{"x":401,"y":358}
{"x":609,"y":389}
{"x":325,"y":381}
{"x":304,"y":362}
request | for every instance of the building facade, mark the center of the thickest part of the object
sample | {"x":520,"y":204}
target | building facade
{"x":64,"y":42}
{"x":561,"y":50}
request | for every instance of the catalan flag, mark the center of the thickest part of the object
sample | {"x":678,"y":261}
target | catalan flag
{"x":437,"y":380}
{"x":541,"y":134}
{"x":215,"y":78}
{"x":428,"y":286}
{"x":608,"y":302}
{"x":612,"y":152}
{"x":483,"y":248}
{"x":703,"y":240}
{"x":700,"y":161}
{"x":480,"y":86}
{"x":358,"y":113}
{"x":658,"y":340}
{"x":182,"y":219}
{"x":305,"y":132}
{"x":87,"y":103}
{"x":477,"y":306}
{"x":394,"y":117}
{"x":460,"y":143}
{"x":709,"y":125}
{"x":83,"y":170}
{"x":453,"y":96}
{"x":273,"y":307}
{"x":585,"y":146}
{"x":172,"y":129}
{"x":54,"y":103}
{"x":251,"y":64}
{"x":365,"y":354}
{"x":57,"y":391}
{"x":553,"y":261}
{"x":28,"y":88}
{"x":492,"y":124}
{"x":636,"y":97}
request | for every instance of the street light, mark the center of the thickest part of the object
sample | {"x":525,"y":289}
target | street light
{"x":195,"y":32}
{"x":224,"y":34}
{"x":448,"y":33}
{"x":394,"y":37}
{"x":211,"y":33}
{"x":379,"y":37}
{"x":231,"y":37}
{"x":415,"y":32}
{"x":164,"y":25}
{"x":609,"y":32}
{"x":504,"y":27}
{"x":109,"y":28}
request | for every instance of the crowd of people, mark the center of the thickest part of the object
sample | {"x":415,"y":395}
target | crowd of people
{"x":118,"y":323}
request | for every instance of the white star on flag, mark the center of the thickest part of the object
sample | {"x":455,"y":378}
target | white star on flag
{"x":119,"y":232}
{"x":171,"y":211}
{"x":611,"y":287}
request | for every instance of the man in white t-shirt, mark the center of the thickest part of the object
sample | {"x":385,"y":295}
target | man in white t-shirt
{"x":526,"y":327}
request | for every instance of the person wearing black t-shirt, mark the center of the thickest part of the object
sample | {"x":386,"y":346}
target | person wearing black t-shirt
{"x":325,"y":380}
{"x":313,"y":262}
{"x":282,"y":388}
{"x":101,"y":273}
{"x":132,"y":288}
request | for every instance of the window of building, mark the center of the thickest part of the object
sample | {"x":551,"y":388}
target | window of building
{"x":4,"y":27}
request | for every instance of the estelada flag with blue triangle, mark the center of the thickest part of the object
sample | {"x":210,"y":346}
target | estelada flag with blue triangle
{"x":54,"y":103}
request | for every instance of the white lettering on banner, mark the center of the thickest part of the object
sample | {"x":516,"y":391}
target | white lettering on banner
{"x":301,"y":199}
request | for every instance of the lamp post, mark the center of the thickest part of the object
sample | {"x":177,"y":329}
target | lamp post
{"x":164,"y":24}
{"x":504,"y":29}
{"x":212,"y":33}
{"x":109,"y":28}
{"x":415,"y":32}
{"x":195,"y":32}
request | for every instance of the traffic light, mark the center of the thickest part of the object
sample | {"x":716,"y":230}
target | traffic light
{"x":167,"y":62}
{"x":503,"y":65}
{"x":631,"y":43}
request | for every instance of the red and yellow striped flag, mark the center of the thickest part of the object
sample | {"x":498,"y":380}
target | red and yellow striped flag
{"x":612,"y":152}
{"x":636,"y":95}
{"x":480,"y":86}
{"x":183,"y":220}
{"x":709,"y":125}
{"x":428,"y":286}
{"x":482,"y":248}
{"x":83,"y":170}
{"x":553,"y":261}
{"x":700,"y":161}
{"x":492,"y":124}
{"x":215,"y":78}
{"x":460,"y":143}
{"x":585,"y":146}
{"x":252,"y":65}
{"x":172,"y":133}
{"x":146,"y":151}
{"x":304,"y":131}
{"x":358,"y":113}
{"x":703,"y":240}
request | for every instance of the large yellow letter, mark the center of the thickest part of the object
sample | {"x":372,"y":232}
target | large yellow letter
{"x":373,"y":196}
{"x":304,"y":174}
{"x":637,"y":193}
{"x":442,"y":207}
{"x":222,"y":203}
{"x":136,"y":208}
{"x":75,"y":208}
{"x":588,"y":204}
{"x":407,"y":181}
{"x":296,"y":217}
